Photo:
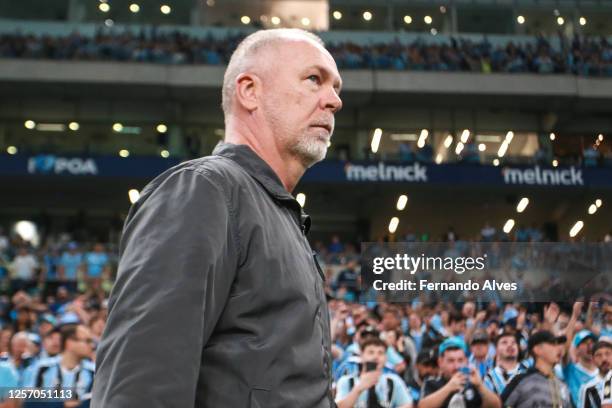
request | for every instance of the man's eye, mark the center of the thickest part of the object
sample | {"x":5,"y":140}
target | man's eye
{"x":314,"y":78}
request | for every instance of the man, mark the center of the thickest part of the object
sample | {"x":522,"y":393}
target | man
{"x":372,"y":388}
{"x":71,"y":370}
{"x":69,"y":265}
{"x":508,"y":366}
{"x":455,"y":387}
{"x":219,"y":301}
{"x":24,"y":269}
{"x":539,"y":386}
{"x":426,"y":366}
{"x":479,"y":348}
{"x":592,"y":393}
{"x":582,"y":370}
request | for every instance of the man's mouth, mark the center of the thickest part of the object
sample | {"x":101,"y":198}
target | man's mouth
{"x":324,"y":126}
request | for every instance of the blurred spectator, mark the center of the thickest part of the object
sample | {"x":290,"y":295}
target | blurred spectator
{"x":69,"y":266}
{"x":97,"y":263}
{"x":24,"y":267}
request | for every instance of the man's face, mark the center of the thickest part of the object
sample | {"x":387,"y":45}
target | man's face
{"x":507,"y":349}
{"x":52,"y":344}
{"x":300,"y":98}
{"x":82,"y":343}
{"x":585,"y":349}
{"x":451,"y":361}
{"x":426,"y":370}
{"x":603,"y":360}
{"x":479,"y":350}
{"x":457,"y":327}
{"x":551,"y":353}
{"x":375,"y":354}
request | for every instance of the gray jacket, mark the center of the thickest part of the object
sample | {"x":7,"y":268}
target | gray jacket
{"x":219,"y":300}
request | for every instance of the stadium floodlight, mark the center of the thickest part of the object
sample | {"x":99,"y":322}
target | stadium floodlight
{"x":305,"y":21}
{"x":582,"y":21}
{"x":592,"y":209}
{"x":117,"y":127}
{"x":600,"y":137}
{"x":522,"y":205}
{"x":482,"y":147}
{"x":133,"y":195}
{"x":275,"y":20}
{"x":448,"y":141}
{"x":124,"y":153}
{"x":109,"y":22}
{"x":576,"y":229}
{"x":104,"y":7}
{"x":301,"y":199}
{"x":165,"y":154}
{"x":428,"y":20}
{"x":245,"y":19}
{"x":337,"y":15}
{"x":161,"y":128}
{"x":555,"y":162}
{"x":393,"y":225}
{"x":433,"y":31}
{"x":598,"y":202}
{"x":496,"y":162}
{"x":465,"y":135}
{"x":29,"y":124}
{"x":438,"y":158}
{"x":520,"y":20}
{"x":376,"y":140}
{"x":459,"y":148}
{"x":367,"y":15}
{"x":401,"y":202}
{"x":407,"y":19}
{"x":552,"y":137}
{"x":11,"y":150}
{"x":442,"y":9}
{"x":134,"y":8}
{"x":422,"y":138}
{"x":26,"y":230}
{"x":50,"y":127}
{"x":74,"y":126}
{"x":165,"y":9}
{"x":508,"y":226}
{"x":560,"y":21}
{"x":509,"y":136}
{"x":502,"y":149}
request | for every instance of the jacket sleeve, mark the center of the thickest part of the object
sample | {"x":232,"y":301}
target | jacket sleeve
{"x":178,"y":259}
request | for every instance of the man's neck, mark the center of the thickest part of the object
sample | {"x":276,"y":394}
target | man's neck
{"x":544,"y":367}
{"x":288,"y":169}
{"x":588,"y":364}
{"x":508,"y":365}
{"x":69,"y":361}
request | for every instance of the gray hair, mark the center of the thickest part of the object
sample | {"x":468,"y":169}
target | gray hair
{"x":241,"y":60}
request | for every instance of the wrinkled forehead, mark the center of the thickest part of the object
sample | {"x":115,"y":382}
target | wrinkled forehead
{"x":300,"y":52}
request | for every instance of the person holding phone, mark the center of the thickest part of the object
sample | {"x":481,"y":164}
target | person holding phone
{"x":458,"y":385}
{"x":371,"y":388}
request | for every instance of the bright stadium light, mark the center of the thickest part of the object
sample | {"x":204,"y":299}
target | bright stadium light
{"x":422,"y":138}
{"x":74,"y":126}
{"x":29,"y":124}
{"x":459,"y":148}
{"x":367,"y":15}
{"x":600,"y":137}
{"x":502,"y":149}
{"x":508,"y":226}
{"x":401,"y":202}
{"x":465,"y":135}
{"x":428,"y":20}
{"x":598,"y":203}
{"x":133,"y":195}
{"x":552,"y":137}
{"x":305,"y":21}
{"x":124,"y":153}
{"x":482,"y":147}
{"x":165,"y":9}
{"x":509,"y":136}
{"x":522,"y":205}
{"x":448,"y":141}
{"x":337,"y":15}
{"x":376,"y":140}
{"x":592,"y":209}
{"x":582,"y":21}
{"x":576,"y":229}
{"x":407,"y":19}
{"x":496,"y":162}
{"x":11,"y":150}
{"x":109,"y":22}
{"x":26,"y":230}
{"x":165,"y":154}
{"x":301,"y":199}
{"x":117,"y":127}
{"x":393,"y":225}
{"x":134,"y":8}
{"x":555,"y":162}
{"x":275,"y":20}
{"x":520,"y":20}
{"x":245,"y":19}
{"x":560,"y":21}
{"x":438,"y":158}
{"x":104,"y":7}
{"x":161,"y":128}
{"x":433,"y":31}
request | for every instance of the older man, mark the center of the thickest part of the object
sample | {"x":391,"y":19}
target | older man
{"x":219,"y":300}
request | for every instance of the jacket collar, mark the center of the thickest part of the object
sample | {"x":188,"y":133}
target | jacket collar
{"x":257,"y":168}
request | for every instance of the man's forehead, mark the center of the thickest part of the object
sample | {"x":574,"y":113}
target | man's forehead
{"x":309,"y":53}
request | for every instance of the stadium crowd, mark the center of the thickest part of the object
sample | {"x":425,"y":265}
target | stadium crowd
{"x":437,"y":354}
{"x":578,"y":55}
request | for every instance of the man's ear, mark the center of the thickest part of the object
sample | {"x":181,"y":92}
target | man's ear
{"x":248,"y":88}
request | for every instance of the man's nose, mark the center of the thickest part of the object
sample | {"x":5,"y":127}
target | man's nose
{"x":332,"y":101}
